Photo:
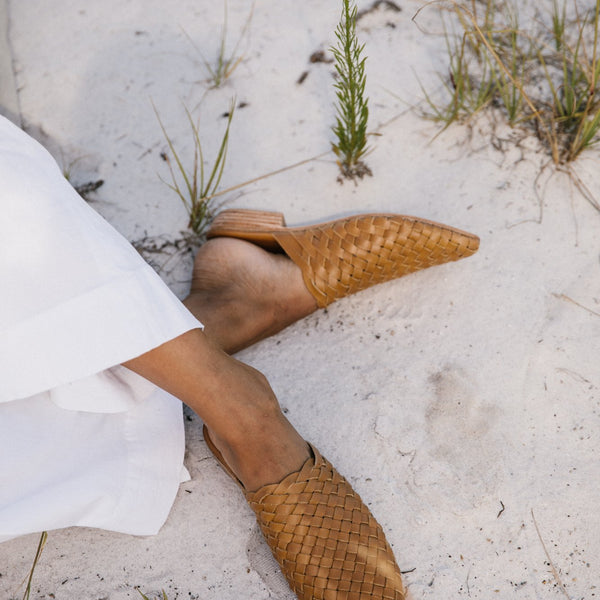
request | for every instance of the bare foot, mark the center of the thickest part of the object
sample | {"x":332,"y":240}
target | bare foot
{"x":244,"y":294}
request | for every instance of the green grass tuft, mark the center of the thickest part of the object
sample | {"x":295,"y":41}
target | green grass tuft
{"x":546,"y":80}
{"x":196,"y":186}
{"x":226,"y":63}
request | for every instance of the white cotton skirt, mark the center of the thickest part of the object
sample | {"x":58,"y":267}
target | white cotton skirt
{"x":83,"y":441}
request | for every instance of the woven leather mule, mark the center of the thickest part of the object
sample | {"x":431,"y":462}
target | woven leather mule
{"x":342,"y":257}
{"x":326,"y":541}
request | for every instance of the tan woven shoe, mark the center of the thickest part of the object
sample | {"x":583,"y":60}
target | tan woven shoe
{"x":342,"y":257}
{"x":326,"y":541}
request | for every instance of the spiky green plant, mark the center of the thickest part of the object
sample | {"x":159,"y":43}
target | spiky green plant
{"x":352,"y":110}
{"x":194,"y":186}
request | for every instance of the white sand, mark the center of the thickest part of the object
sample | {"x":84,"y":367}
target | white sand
{"x":443,"y":397}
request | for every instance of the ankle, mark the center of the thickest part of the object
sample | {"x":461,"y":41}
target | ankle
{"x":255,"y":439}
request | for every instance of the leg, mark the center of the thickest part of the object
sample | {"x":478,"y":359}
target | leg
{"x":235,"y":402}
{"x":321,"y":533}
{"x":244,"y":294}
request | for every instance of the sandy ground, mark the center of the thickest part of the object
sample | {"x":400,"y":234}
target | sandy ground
{"x":462,"y":402}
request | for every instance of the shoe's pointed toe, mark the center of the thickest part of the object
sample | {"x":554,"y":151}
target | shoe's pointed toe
{"x":327,"y":542}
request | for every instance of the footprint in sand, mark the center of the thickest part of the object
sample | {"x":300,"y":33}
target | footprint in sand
{"x":461,"y":458}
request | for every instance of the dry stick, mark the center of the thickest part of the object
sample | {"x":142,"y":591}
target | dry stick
{"x":567,"y":299}
{"x":392,"y":119}
{"x":266,"y":175}
{"x":554,"y":571}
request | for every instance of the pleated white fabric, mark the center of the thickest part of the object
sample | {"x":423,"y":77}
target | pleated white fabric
{"x":83,"y":441}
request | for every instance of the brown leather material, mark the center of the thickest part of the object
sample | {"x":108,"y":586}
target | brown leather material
{"x":326,"y":541}
{"x":342,"y":257}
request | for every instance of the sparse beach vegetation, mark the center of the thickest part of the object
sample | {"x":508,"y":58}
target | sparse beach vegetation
{"x":226,"y":62}
{"x":543,"y":78}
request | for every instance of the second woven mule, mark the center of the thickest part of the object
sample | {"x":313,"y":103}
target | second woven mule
{"x":326,"y":541}
{"x":342,"y":257}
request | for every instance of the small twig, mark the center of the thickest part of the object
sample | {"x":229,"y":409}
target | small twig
{"x":565,"y":297}
{"x":554,"y":571}
{"x":501,"y":510}
{"x":576,"y":376}
{"x":581,"y":186}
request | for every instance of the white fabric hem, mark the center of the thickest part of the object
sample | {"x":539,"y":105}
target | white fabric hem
{"x":130,"y":310}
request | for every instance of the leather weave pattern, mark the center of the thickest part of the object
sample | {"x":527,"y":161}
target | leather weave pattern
{"x":325,"y":539}
{"x":344,"y":257}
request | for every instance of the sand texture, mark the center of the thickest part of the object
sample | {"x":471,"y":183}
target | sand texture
{"x":462,"y":402}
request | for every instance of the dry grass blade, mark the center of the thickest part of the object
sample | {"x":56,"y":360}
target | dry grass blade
{"x":238,"y":186}
{"x":568,"y":299}
{"x":164,"y":595}
{"x":554,"y":571}
{"x":40,"y":548}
